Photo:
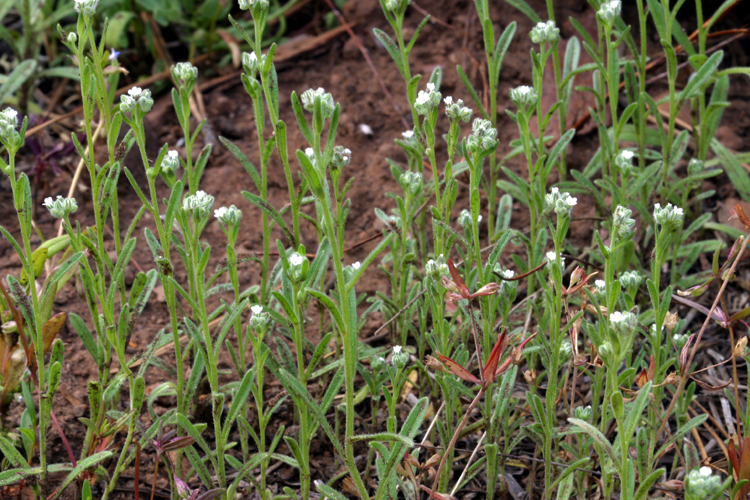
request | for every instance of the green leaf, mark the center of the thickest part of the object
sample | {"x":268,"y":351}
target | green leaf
{"x":598,"y":438}
{"x":391,"y":47}
{"x":83,"y":465}
{"x":243,"y":161}
{"x":472,"y":91}
{"x":733,"y":168}
{"x":20,"y":74}
{"x":525,"y":10}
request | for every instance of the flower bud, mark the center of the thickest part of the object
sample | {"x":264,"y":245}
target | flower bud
{"x":251,"y":64}
{"x":670,"y":321}
{"x":483,"y":136}
{"x":427,"y":99}
{"x":545,"y":32}
{"x":72,"y":37}
{"x":437,"y":267}
{"x":136,"y":99}
{"x":411,"y":183}
{"x":561,"y":203}
{"x":341,"y":157}
{"x":8,"y":124}
{"x":395,"y":5}
{"x":377,"y":363}
{"x":566,"y":350}
{"x":623,"y":323}
{"x":523,"y":96}
{"x":624,"y":161}
{"x":668,"y":216}
{"x":680,"y":341}
{"x":185,"y":74}
{"x":630,"y":279}
{"x":60,"y":207}
{"x":622,"y":223}
{"x":582,"y":413}
{"x":259,"y":319}
{"x":327,"y":104}
{"x":171,"y":161}
{"x":552,"y":258}
{"x":465,"y":219}
{"x":609,"y":11}
{"x":198,"y":204}
{"x":252,"y":4}
{"x":298,"y":267}
{"x":399,"y":357}
{"x":456,"y":110}
{"x":601,"y":289}
{"x":86,"y":7}
{"x":228,"y":216}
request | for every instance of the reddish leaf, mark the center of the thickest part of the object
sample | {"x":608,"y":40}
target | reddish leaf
{"x":488,"y":374}
{"x":462,"y":288}
{"x":458,"y":370}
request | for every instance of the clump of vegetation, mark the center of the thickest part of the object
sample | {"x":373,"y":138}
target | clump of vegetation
{"x":471,"y":330}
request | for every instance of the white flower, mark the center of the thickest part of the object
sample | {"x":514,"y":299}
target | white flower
{"x":257,"y":309}
{"x":228,"y":216}
{"x":561,"y":203}
{"x":8,"y":123}
{"x":171,"y":161}
{"x":552,"y":258}
{"x":396,"y":349}
{"x":86,"y":7}
{"x":408,"y":134}
{"x":184,"y":73}
{"x":609,"y":11}
{"x":705,"y":471}
{"x":135,"y":92}
{"x":508,"y":274}
{"x":669,"y":215}
{"x":483,"y":136}
{"x":137,"y":98}
{"x":327,"y":104}
{"x":296,"y":259}
{"x":457,"y":110}
{"x":622,"y":223}
{"x":624,"y":161}
{"x":251,"y":64}
{"x":523,"y":96}
{"x":427,"y":99}
{"x":399,"y":357}
{"x":623,"y":323}
{"x":545,"y":32}
{"x":60,"y":207}
{"x":436,"y":267}
{"x":259,"y":318}
{"x":199,"y":204}
{"x":251,"y":4}
{"x":356,"y":266}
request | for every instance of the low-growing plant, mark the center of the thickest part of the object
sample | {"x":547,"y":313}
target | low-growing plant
{"x":453,"y":310}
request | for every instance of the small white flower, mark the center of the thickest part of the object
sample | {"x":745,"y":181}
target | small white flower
{"x":251,"y":4}
{"x":86,"y":7}
{"x":8,"y":123}
{"x":396,"y":349}
{"x":171,"y":161}
{"x":561,"y":203}
{"x":136,"y":98}
{"x":669,"y":215}
{"x":60,"y":207}
{"x":259,"y":318}
{"x":523,"y":96}
{"x":135,"y":92}
{"x":328,"y":105}
{"x":545,"y":32}
{"x":622,"y":223}
{"x":356,"y":266}
{"x":184,"y":73}
{"x":230,"y":217}
{"x":199,"y":204}
{"x":705,"y":471}
{"x":508,"y":274}
{"x":600,"y":284}
{"x":609,"y":11}
{"x":399,"y":357}
{"x":552,"y":258}
{"x":436,"y":267}
{"x":257,"y":309}
{"x":624,"y":161}
{"x":408,"y":134}
{"x":448,"y":100}
{"x":623,"y":323}
{"x":427,"y":99}
{"x":296,"y":259}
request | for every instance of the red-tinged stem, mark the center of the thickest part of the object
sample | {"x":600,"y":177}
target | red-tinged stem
{"x":454,"y":439}
{"x":64,"y":439}
{"x":137,"y":470}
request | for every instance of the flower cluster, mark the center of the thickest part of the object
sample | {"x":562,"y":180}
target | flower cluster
{"x":60,"y":207}
{"x":327,"y":104}
{"x":137,"y":99}
{"x":669,"y":215}
{"x":395,"y":5}
{"x":623,"y":323}
{"x":483,"y":136}
{"x":427,"y":99}
{"x":86,"y":7}
{"x":341,"y":157}
{"x":609,"y":11}
{"x":198,"y":204}
{"x":601,"y":288}
{"x":622,"y":223}
{"x":228,"y":216}
{"x":411,"y":183}
{"x":583,"y":412}
{"x":465,"y":219}
{"x":437,"y":267}
{"x":185,"y":74}
{"x":457,"y":110}
{"x":8,"y":124}
{"x":695,"y":166}
{"x":171,"y":161}
{"x":545,"y":32}
{"x":561,"y":203}
{"x":399,"y":357}
{"x":630,"y":279}
{"x":252,"y":4}
{"x":251,"y":64}
{"x":298,"y":266}
{"x":701,"y":484}
{"x":259,"y":318}
{"x":523,"y":96}
{"x":624,"y":161}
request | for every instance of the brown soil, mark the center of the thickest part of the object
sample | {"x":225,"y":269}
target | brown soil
{"x":339,"y":68}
